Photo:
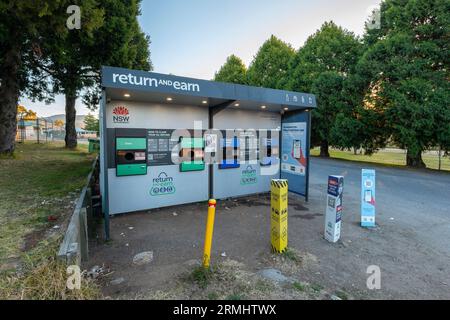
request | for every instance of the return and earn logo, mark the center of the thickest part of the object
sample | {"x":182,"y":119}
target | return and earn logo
{"x":163,"y":185}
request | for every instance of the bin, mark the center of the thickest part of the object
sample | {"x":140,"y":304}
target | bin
{"x":94,"y":145}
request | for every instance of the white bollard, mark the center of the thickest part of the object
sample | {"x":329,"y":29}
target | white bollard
{"x":333,"y":215}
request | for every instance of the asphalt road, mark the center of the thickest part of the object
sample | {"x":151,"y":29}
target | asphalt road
{"x":417,"y":199}
{"x":411,"y":242}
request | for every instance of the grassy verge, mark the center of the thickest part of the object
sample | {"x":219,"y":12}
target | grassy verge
{"x":38,"y":189}
{"x":388,"y":157}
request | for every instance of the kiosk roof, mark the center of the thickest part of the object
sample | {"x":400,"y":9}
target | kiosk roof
{"x":135,"y":85}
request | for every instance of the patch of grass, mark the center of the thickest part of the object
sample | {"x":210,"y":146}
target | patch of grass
{"x":290,"y":255}
{"x":316,"y":287}
{"x":43,"y":277}
{"x":40,"y":181}
{"x":213,"y":296}
{"x":235,"y":297}
{"x":38,"y":189}
{"x":388,"y":157}
{"x":263,"y":286}
{"x":341,"y":294}
{"x":299,"y":286}
{"x":201,"y":276}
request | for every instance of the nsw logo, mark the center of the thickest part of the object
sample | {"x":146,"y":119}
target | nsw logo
{"x":121,"y":115}
{"x":163,"y":185}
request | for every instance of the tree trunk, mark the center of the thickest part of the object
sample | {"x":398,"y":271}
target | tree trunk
{"x":324,"y":149}
{"x":414,"y":159}
{"x":9,"y":97}
{"x":71,"y":114}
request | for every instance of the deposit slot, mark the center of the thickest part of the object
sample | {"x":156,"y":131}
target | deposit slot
{"x":192,"y":154}
{"x":131,"y":156}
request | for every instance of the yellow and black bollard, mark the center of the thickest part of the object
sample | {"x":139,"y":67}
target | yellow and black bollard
{"x":209,"y":233}
{"x":279,"y":215}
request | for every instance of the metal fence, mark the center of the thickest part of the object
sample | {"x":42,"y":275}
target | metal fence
{"x":39,"y":130}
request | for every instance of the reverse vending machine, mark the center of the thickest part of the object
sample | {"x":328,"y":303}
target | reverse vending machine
{"x":131,"y":156}
{"x":169,"y":140}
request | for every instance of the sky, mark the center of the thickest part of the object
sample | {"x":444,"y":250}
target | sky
{"x":193,"y":38}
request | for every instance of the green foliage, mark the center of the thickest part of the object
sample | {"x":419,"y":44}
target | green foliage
{"x":201,"y":276}
{"x":109,"y":35}
{"x":291,"y":255}
{"x":91,"y":123}
{"x":233,"y":71}
{"x":299,"y":286}
{"x":330,"y":49}
{"x":407,"y":65}
{"x":235,"y":297}
{"x":21,"y":25}
{"x":325,"y":66}
{"x":327,"y":87}
{"x":270,"y":65}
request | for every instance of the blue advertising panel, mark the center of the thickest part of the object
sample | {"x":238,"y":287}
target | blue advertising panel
{"x":368,"y":198}
{"x":295,"y":151}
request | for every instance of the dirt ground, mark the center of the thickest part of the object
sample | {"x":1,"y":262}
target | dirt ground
{"x":412,"y":267}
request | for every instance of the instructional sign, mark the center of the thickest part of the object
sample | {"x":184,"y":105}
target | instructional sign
{"x":367,"y":198}
{"x":160,"y":147}
{"x":333,"y":216}
{"x":294,"y":145}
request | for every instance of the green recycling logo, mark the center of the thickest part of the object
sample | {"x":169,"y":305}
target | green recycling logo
{"x":163,"y":185}
{"x":249,"y":176}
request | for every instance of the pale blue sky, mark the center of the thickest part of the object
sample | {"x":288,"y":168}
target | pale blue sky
{"x":193,"y":38}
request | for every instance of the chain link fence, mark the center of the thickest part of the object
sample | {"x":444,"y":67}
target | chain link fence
{"x":39,"y":130}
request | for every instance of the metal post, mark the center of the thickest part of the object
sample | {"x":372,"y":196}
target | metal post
{"x":22,"y":130}
{"x":308,"y":162}
{"x":209,"y":233}
{"x":38,"y":126}
{"x":46,"y":131}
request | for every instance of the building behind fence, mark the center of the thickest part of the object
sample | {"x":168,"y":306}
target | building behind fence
{"x":42,"y":130}
{"x":39,"y":130}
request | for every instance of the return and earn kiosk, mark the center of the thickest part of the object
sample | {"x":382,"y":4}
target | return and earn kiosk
{"x":168,"y":140}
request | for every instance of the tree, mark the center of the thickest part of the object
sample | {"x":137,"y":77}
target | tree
{"x":59,"y":123}
{"x":270,"y":65}
{"x":324,"y":66}
{"x":327,"y":87}
{"x":359,"y":123}
{"x":21,"y":24}
{"x":21,"y":111}
{"x":408,"y":63}
{"x":91,"y":123}
{"x":233,"y":71}
{"x":30,"y":115}
{"x":110,"y":35}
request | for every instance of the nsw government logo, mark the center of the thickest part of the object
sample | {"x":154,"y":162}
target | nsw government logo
{"x":121,"y":115}
{"x":163,"y":185}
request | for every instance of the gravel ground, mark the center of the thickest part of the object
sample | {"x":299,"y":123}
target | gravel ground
{"x":410,"y":244}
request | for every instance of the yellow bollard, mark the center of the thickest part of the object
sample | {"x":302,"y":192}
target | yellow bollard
{"x":209,"y":233}
{"x":279,"y":215}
